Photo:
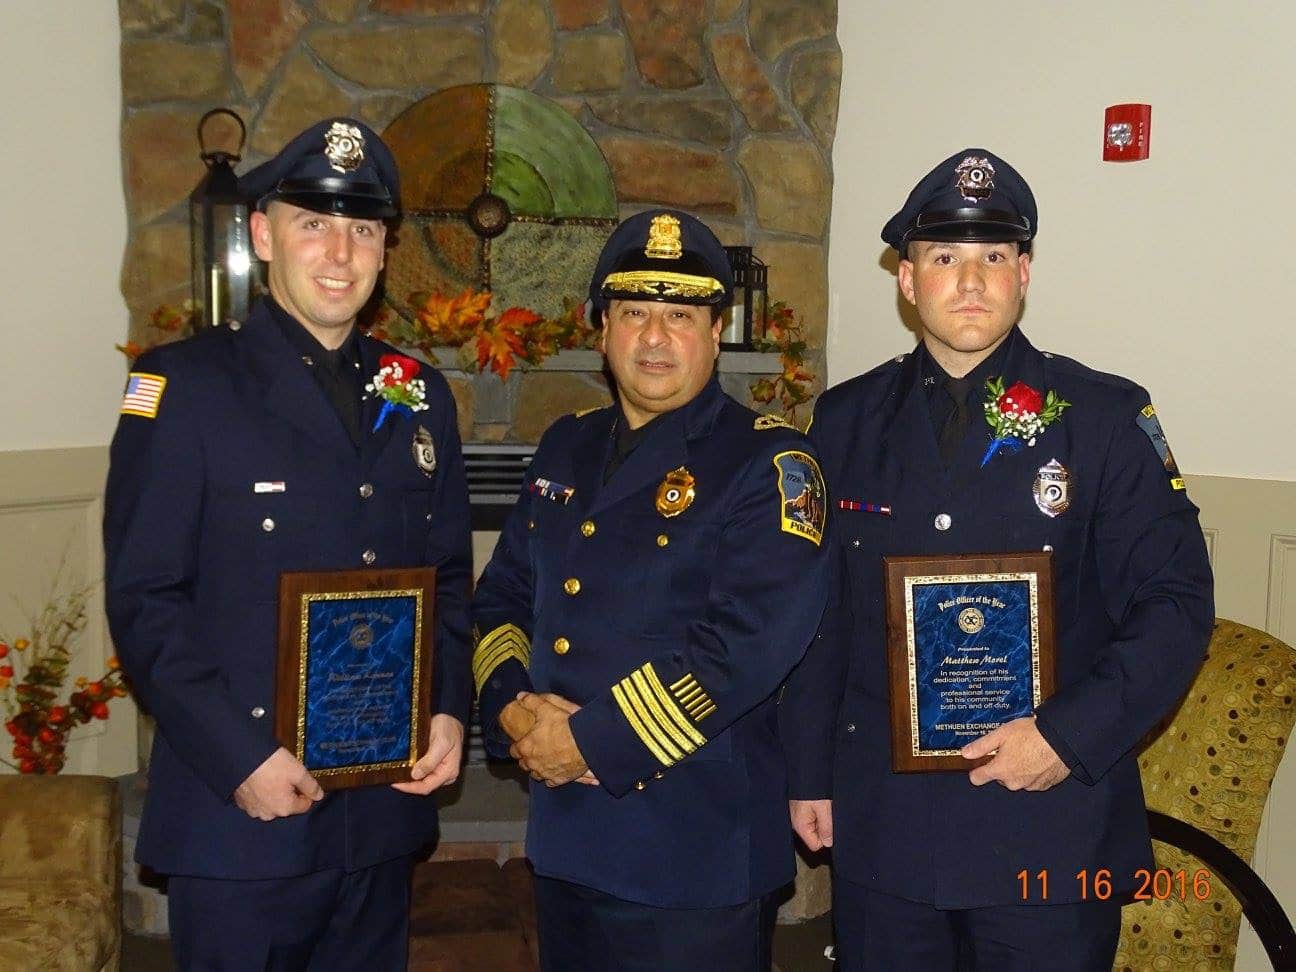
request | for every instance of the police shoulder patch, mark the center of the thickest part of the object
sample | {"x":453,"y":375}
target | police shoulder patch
{"x":764,"y":422}
{"x":143,"y":394}
{"x":803,"y":499}
{"x":1147,"y":420}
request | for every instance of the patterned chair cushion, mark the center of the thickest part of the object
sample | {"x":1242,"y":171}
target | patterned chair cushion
{"x":1211,"y":765}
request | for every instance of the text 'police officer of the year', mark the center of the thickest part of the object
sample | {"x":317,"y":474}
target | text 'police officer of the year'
{"x":976,"y":442}
{"x":661,"y":574}
{"x":252,"y":449}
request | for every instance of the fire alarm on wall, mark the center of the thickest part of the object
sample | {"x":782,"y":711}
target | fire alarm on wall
{"x":1126,"y":132}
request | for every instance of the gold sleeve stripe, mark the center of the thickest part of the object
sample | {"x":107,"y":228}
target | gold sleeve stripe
{"x":693,"y":698}
{"x":673,"y":724}
{"x":668,"y":704}
{"x":496,"y":647}
{"x":631,"y":708}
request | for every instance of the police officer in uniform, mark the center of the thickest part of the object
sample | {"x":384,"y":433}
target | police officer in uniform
{"x":927,"y":865}
{"x":250,"y":450}
{"x":660,"y":576}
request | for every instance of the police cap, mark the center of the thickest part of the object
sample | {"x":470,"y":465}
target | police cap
{"x":339,"y":165}
{"x":972,"y":197}
{"x":663,"y":255}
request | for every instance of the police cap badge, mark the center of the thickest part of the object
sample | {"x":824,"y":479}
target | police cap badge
{"x":338,"y":165}
{"x":972,"y":197}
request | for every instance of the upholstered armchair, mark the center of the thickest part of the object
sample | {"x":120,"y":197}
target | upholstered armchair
{"x":1210,"y":768}
{"x":60,"y":874}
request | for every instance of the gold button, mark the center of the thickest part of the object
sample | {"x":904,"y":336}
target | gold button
{"x":658,"y":775}
{"x":530,"y":524}
{"x":572,"y":586}
{"x":662,"y":539}
{"x":587,"y":528}
{"x":562,"y":646}
{"x":640,"y":785}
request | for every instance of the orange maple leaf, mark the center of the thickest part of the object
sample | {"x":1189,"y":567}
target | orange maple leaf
{"x":501,"y":342}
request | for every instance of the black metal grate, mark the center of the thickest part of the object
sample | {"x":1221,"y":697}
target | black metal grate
{"x":496,"y":474}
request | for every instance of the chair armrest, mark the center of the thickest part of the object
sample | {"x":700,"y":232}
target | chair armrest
{"x":1259,"y":905}
{"x":60,"y":828}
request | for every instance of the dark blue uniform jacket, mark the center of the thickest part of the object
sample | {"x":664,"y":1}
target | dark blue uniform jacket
{"x":194,"y":552}
{"x":673,"y":633}
{"x":1134,"y":612}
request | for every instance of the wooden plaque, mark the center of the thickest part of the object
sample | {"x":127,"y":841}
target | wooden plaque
{"x":970,"y":646}
{"x":354,"y":673}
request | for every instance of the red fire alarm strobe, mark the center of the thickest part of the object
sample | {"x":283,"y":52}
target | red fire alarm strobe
{"x":1127,"y":130}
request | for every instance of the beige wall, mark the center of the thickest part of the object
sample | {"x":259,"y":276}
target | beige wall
{"x":61,"y":193}
{"x":1174,"y":271}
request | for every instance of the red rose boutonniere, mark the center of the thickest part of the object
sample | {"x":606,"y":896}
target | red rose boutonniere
{"x":1018,"y":415}
{"x":398,"y":384}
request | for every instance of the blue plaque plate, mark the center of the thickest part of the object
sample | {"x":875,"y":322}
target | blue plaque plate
{"x":971,"y":642}
{"x":354,"y":671}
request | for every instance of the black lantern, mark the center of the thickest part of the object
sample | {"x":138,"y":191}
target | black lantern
{"x":743,"y":322}
{"x":223,"y":262}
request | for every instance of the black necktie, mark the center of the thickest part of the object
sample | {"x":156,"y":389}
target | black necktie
{"x":958,"y":419}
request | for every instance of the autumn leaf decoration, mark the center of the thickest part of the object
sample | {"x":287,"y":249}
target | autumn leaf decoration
{"x":784,"y":334}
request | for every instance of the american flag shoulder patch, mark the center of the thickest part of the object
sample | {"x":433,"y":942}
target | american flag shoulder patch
{"x":143,"y":394}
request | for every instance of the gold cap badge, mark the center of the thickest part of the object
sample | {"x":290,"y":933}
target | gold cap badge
{"x":664,"y":238}
{"x":344,"y":147}
{"x":676,"y":492}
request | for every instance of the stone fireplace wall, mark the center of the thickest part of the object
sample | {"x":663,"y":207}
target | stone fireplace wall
{"x":725,"y":108}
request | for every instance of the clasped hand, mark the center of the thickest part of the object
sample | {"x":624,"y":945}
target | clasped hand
{"x":543,"y":744}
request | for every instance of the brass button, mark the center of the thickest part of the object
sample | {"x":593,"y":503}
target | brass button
{"x":366,"y":490}
{"x":662,"y":539}
{"x":587,"y":528}
{"x":368,"y":556}
{"x":267,"y":524}
{"x":572,"y":586}
{"x":658,"y":775}
{"x":530,"y":524}
{"x":561,"y":646}
{"x":258,"y":712}
{"x":640,"y":785}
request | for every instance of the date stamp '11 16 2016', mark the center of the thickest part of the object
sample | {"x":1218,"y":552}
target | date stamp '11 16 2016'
{"x":1159,"y":884}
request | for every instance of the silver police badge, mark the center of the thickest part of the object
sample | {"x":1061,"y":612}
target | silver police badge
{"x":1053,"y":489}
{"x":424,"y":451}
{"x":975,"y":178}
{"x":344,"y":147}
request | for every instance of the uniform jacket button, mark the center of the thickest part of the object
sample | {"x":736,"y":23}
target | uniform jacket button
{"x":267,"y":524}
{"x":943,"y":521}
{"x":850,"y":727}
{"x":258,"y":712}
{"x":587,"y":528}
{"x":640,"y":785}
{"x":366,"y":490}
{"x":1048,"y":548}
{"x":662,"y":539}
{"x":658,"y":775}
{"x":572,"y":586}
{"x":368,"y":556}
{"x":561,"y":646}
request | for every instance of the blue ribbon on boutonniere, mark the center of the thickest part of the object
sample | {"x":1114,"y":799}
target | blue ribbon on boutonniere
{"x":397,"y":384}
{"x":1018,"y":415}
